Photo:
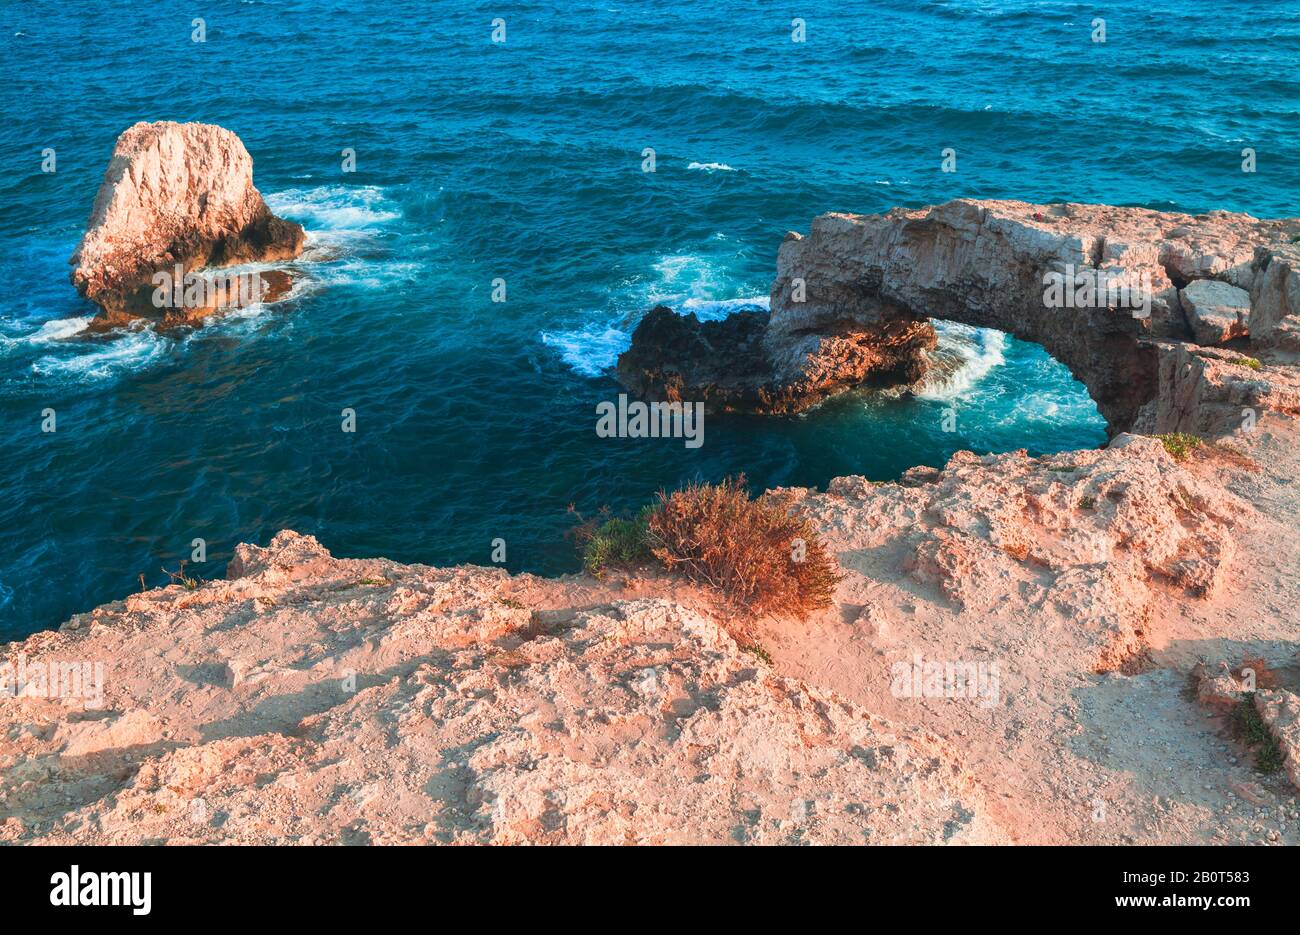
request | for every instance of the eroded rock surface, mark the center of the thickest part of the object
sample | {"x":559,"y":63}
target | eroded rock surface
{"x":857,"y":280}
{"x":175,"y":194}
{"x":1083,"y":536}
{"x":311,"y":699}
{"x":1275,"y":297}
{"x":728,"y":366}
{"x":1210,"y":391}
{"x":1216,"y":311}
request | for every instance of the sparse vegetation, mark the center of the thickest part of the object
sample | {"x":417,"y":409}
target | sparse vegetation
{"x":758,"y":651}
{"x":754,"y":553}
{"x":1179,"y":444}
{"x":613,"y":542}
{"x":1249,"y":362}
{"x":179,"y":577}
{"x":1249,"y":728}
{"x":511,"y":603}
{"x":761,"y":558}
{"x":1087,"y":503}
{"x":360,"y":583}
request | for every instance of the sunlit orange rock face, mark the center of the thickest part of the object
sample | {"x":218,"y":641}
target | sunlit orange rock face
{"x":174,"y":195}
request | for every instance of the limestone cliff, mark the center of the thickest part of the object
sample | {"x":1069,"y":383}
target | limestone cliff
{"x":310,"y":699}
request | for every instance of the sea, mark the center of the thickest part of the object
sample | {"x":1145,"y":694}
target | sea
{"x":469,"y":283}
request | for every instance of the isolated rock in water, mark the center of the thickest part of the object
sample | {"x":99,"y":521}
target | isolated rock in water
{"x":1275,"y":299}
{"x":728,"y":366}
{"x":174,"y":195}
{"x":1216,"y":311}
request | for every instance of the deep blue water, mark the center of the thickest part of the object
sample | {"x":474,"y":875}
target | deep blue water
{"x":476,"y":420}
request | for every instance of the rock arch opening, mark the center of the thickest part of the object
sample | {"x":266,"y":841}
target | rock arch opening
{"x":1138,"y":304}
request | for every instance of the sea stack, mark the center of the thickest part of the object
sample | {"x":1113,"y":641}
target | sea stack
{"x":176,"y":197}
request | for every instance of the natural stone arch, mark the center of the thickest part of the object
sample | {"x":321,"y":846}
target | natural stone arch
{"x":852,"y":300}
{"x":984,"y":264}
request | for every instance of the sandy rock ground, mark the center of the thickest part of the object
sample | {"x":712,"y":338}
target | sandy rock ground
{"x":1097,"y":736}
{"x":309,"y":699}
{"x":315,"y":700}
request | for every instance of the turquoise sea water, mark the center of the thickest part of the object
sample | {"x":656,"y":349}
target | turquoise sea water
{"x":475,"y":420}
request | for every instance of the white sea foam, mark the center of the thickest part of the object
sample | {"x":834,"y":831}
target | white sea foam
{"x":982,"y":350}
{"x":678,"y":278}
{"x":713,"y":309}
{"x":589,"y":351}
{"x":711,"y":167}
{"x":1058,"y":401}
{"x":686,"y":282}
{"x":129,"y":351}
{"x":343,"y":223}
{"x":59,"y":329}
{"x":368,"y":273}
{"x":335,"y":207}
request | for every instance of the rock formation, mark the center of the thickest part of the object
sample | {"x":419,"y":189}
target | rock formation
{"x":1216,"y":311}
{"x":401,"y":704}
{"x":176,"y":195}
{"x":1275,"y":297}
{"x":851,"y":299}
{"x":309,"y":699}
{"x":727,"y":364}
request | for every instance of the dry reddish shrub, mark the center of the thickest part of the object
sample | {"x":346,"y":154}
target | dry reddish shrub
{"x":761,"y":559}
{"x":1265,"y":677}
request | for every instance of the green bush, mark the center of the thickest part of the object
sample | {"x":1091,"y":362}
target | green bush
{"x":1250,"y":729}
{"x":616,"y":543}
{"x":1179,"y":444}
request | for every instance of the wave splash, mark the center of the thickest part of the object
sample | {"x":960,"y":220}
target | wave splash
{"x":346,"y":208}
{"x":964,"y":357}
{"x":685,"y":282}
